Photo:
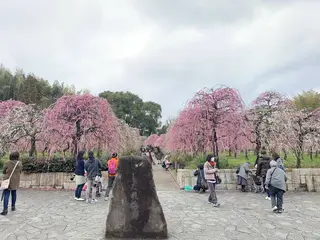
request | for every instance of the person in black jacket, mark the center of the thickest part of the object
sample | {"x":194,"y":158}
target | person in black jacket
{"x":262,"y":168}
{"x":201,"y":185}
{"x":80,"y":179}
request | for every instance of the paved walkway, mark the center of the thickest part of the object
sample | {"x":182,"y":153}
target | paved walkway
{"x":55,"y":215}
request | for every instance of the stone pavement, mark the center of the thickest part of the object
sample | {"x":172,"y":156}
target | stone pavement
{"x":55,"y":215}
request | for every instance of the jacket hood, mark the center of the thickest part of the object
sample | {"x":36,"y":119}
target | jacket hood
{"x":200,"y":166}
{"x":273,"y":163}
{"x":91,"y":159}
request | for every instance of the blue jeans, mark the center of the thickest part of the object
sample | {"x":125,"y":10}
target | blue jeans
{"x":6,"y":195}
{"x":79,"y":190}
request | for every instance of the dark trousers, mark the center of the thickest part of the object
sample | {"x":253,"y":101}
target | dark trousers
{"x":276,"y":197}
{"x":264,"y":186}
{"x":110,"y":185}
{"x":79,"y":190}
{"x":6,"y":195}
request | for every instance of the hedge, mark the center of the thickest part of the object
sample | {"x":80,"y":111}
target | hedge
{"x":55,"y":164}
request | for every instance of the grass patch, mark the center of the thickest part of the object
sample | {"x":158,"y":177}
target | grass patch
{"x":228,"y":162}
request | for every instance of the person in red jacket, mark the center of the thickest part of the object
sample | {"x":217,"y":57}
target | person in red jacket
{"x":112,"y":173}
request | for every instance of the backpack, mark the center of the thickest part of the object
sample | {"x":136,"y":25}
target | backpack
{"x":238,"y":170}
{"x":112,"y":168}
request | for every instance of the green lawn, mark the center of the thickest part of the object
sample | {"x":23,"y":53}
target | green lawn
{"x":227,"y":161}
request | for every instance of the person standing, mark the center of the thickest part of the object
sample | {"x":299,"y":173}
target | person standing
{"x":80,"y":179}
{"x":210,"y":176}
{"x":276,"y":183}
{"x":262,"y":169}
{"x":276,"y":157}
{"x":12,"y":170}
{"x":92,"y":168}
{"x":112,"y":173}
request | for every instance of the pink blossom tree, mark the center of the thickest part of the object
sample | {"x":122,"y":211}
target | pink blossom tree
{"x":295,"y":130}
{"x":218,"y":107}
{"x":259,"y":117}
{"x":151,"y":139}
{"x":22,"y":123}
{"x":74,"y":117}
{"x":7,"y":106}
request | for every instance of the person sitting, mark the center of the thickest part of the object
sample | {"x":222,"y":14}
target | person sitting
{"x":243,"y":176}
{"x":201,"y":185}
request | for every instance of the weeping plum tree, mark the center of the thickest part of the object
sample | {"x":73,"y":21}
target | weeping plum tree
{"x":217,"y":107}
{"x":259,"y":116}
{"x":82,"y":116}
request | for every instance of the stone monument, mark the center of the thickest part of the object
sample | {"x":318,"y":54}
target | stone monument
{"x":135,"y":210}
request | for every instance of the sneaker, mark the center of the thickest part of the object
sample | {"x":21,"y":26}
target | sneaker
{"x":75,"y":198}
{"x":88,"y":201}
{"x":268,"y":198}
{"x":94,"y":201}
{"x":275,"y":208}
{"x":80,"y":199}
{"x":106,"y":198}
{"x":216,"y":204}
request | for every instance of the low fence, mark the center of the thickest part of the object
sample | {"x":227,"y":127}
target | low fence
{"x":58,"y":180}
{"x":303,"y":179}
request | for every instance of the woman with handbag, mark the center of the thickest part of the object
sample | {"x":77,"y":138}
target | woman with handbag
{"x":11,"y":179}
{"x":210,"y":174}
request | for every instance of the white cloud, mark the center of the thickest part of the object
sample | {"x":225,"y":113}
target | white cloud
{"x":165,"y":50}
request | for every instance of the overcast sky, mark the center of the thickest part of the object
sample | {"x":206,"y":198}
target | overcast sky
{"x":165,"y":50}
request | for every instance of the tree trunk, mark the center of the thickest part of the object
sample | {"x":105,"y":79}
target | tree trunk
{"x":77,"y":138}
{"x":235,"y":154}
{"x":230,"y":152}
{"x":246,"y":153}
{"x":316,"y":155}
{"x":258,"y":147}
{"x":285,"y":154}
{"x":32,"y":150}
{"x":310,"y":153}
{"x":298,"y":158}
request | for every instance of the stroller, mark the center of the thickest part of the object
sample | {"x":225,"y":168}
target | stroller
{"x":256,"y":184}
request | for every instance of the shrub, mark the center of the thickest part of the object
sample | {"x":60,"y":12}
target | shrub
{"x":1,"y":163}
{"x":55,"y":164}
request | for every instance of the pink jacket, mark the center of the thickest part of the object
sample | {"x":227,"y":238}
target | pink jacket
{"x":209,"y":171}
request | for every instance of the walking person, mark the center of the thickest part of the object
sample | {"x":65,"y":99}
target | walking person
{"x":210,"y":176}
{"x":276,"y":183}
{"x":12,"y":170}
{"x":80,"y":178}
{"x":243,"y":176}
{"x":262,"y":169}
{"x":112,"y":172}
{"x":92,"y":168}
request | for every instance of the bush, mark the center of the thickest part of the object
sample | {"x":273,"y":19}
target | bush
{"x":55,"y":164}
{"x":1,"y":163}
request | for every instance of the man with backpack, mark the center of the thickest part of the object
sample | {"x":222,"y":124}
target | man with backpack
{"x":112,"y":172}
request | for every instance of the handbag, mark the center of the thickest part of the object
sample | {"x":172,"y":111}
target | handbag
{"x":5,"y":183}
{"x":218,"y":179}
